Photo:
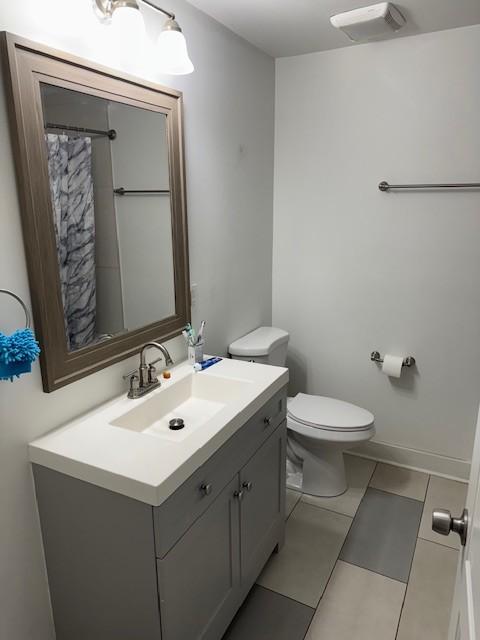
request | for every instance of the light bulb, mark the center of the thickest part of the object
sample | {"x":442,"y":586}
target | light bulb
{"x":128,"y":26}
{"x":172,"y":51}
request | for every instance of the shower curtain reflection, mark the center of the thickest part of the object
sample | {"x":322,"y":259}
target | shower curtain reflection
{"x":71,"y":184}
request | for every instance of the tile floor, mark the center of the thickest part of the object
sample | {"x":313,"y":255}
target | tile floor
{"x":365,"y":565}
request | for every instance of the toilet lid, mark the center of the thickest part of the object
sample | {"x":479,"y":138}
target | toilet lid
{"x":328,"y":413}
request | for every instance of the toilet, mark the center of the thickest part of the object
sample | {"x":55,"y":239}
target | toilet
{"x":320,"y":429}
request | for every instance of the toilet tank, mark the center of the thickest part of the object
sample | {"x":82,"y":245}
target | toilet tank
{"x":266,"y":345}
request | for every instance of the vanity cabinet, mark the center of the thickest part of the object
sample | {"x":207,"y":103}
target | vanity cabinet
{"x":120,"y":569}
{"x":200,"y":577}
{"x":203,"y":578}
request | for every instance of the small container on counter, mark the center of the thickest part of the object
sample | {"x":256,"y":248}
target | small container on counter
{"x":195,"y":352}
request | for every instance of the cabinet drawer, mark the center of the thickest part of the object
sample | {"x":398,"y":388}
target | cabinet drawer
{"x":197,"y":493}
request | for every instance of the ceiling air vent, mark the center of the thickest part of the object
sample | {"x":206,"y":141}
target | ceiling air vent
{"x":369,"y":23}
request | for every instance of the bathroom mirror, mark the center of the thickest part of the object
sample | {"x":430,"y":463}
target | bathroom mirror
{"x":110,"y":191}
{"x":101,"y":183}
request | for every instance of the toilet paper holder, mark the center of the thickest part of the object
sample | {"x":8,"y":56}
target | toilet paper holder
{"x":375,"y":356}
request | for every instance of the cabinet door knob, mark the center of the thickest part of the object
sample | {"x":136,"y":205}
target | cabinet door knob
{"x":238,"y":495}
{"x":267,"y":421}
{"x":206,"y":489}
{"x":247,"y":485}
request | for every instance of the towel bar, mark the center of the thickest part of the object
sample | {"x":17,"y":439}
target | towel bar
{"x":385,"y":186}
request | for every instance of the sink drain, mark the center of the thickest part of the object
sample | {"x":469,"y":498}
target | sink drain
{"x":176,"y":424}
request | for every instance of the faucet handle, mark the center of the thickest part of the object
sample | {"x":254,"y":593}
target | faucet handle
{"x":152,"y":373}
{"x":134,"y":386}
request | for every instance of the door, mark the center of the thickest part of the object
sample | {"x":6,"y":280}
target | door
{"x":465,"y":619}
{"x":262,"y":508}
{"x":199,"y":579}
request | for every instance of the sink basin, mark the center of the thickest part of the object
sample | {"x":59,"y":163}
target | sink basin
{"x":195,"y":398}
{"x":126,"y":446}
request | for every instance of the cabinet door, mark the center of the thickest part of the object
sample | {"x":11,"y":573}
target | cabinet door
{"x":262,"y":510}
{"x":199,"y":579}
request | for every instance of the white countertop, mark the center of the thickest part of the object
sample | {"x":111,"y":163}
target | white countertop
{"x":142,"y":466}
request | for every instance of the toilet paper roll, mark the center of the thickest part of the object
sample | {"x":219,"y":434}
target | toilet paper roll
{"x":392,"y":365}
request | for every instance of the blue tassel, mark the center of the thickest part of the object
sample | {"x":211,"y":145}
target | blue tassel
{"x":17,"y":352}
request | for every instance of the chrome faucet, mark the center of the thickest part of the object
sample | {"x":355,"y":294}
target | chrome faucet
{"x":144,"y":379}
{"x":148,"y":373}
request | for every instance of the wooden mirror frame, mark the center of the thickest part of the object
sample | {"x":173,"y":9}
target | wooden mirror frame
{"x":26,"y":65}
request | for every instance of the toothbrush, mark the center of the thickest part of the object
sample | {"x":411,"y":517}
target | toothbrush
{"x":187,"y":334}
{"x":200,"y":332}
{"x":191,"y":334}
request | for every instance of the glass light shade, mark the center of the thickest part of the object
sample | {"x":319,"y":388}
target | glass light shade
{"x":173,"y":54}
{"x":128,"y":26}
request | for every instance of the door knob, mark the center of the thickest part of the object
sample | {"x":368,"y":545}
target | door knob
{"x":247,"y":485}
{"x":443,"y":523}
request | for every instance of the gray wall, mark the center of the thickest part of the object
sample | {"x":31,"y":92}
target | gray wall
{"x":356,"y":269}
{"x":229,"y":150}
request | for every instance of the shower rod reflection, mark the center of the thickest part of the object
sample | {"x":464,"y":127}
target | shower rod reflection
{"x":385,"y":186}
{"x":111,"y":133}
{"x":125,"y":192}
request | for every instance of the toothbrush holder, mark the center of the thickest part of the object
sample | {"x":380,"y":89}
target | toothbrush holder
{"x":195,"y":352}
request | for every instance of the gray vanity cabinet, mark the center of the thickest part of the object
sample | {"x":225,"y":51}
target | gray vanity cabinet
{"x":120,"y":569}
{"x":205,"y":576}
{"x":199,"y":578}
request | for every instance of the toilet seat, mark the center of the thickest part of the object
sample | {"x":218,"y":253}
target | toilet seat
{"x":327,"y":414}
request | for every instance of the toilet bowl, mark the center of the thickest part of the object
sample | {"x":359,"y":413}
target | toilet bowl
{"x":319,"y":428}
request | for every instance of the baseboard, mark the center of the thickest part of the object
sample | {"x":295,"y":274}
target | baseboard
{"x":413,"y":459}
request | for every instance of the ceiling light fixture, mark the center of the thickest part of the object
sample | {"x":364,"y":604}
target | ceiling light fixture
{"x":172,"y":46}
